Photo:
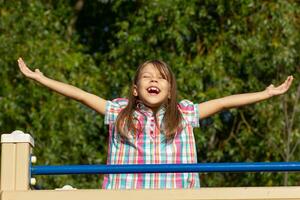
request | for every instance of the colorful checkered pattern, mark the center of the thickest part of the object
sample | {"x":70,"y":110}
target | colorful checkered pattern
{"x":149,"y":146}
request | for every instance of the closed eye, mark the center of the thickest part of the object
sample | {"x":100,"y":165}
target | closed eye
{"x":163,"y":77}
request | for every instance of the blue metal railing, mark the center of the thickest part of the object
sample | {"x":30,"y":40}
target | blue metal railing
{"x":167,"y":168}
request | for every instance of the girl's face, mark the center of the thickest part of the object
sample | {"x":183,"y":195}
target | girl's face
{"x":152,"y":87}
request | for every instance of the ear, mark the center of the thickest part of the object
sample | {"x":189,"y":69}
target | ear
{"x":135,"y":92}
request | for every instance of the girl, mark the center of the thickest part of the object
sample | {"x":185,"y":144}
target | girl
{"x":151,"y":127}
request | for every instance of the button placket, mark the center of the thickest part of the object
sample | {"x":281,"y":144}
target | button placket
{"x":152,"y":127}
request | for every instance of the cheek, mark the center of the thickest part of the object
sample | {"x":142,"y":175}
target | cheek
{"x":168,"y":87}
{"x":139,"y":88}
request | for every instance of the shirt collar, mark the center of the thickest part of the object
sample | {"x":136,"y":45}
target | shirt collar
{"x":142,"y":108}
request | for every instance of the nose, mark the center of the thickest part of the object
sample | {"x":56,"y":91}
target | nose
{"x":153,"y":79}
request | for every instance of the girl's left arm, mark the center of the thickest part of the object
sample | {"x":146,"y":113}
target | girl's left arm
{"x":211,"y":107}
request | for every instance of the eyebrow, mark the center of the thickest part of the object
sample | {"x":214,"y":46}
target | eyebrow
{"x":145,"y":73}
{"x":160,"y":74}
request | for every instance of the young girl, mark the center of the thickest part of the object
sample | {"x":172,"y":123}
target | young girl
{"x":151,"y":127}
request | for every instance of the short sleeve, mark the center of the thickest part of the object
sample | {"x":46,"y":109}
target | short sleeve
{"x":113,"y":108}
{"x":190,"y":112}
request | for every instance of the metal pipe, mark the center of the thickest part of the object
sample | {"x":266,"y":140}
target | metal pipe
{"x":167,"y":168}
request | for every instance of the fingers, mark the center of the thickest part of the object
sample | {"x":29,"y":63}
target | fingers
{"x":286,"y":85}
{"x":21,"y":63}
{"x":281,"y":89}
{"x":24,"y":69}
{"x":290,"y":80}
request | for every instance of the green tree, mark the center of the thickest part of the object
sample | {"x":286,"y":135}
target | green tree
{"x":65,"y":131}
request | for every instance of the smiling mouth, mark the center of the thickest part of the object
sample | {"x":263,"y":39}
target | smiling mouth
{"x":153,"y":90}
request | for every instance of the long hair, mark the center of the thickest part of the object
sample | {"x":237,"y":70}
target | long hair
{"x":172,"y":118}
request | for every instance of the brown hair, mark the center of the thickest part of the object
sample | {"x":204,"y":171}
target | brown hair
{"x":172,"y":118}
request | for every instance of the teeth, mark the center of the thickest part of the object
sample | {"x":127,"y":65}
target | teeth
{"x":153,"y":89}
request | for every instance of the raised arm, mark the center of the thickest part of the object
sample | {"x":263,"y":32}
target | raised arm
{"x":211,"y":107}
{"x":94,"y":102}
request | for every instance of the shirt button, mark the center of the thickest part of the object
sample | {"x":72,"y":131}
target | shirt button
{"x":151,"y":133}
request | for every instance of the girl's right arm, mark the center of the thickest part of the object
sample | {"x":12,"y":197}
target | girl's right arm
{"x":94,"y":102}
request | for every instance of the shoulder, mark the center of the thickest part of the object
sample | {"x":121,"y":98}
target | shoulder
{"x":113,"y":108}
{"x":118,"y":102}
{"x":187,"y":106}
{"x":190,"y":112}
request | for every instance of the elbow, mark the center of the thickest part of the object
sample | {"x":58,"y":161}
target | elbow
{"x":81,"y":97}
{"x":223,"y":105}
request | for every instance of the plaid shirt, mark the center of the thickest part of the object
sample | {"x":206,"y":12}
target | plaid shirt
{"x":149,"y":146}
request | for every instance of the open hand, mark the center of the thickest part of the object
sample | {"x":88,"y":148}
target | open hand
{"x":281,"y":89}
{"x":35,"y":75}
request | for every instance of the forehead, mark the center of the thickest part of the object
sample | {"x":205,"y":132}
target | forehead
{"x":155,"y":69}
{"x":150,"y":68}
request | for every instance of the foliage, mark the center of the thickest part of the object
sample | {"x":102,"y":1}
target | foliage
{"x":215,"y":47}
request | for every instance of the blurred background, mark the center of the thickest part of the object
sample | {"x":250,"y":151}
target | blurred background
{"x":215,"y":48}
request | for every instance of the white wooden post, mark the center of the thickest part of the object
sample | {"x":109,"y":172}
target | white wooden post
{"x":15,"y":161}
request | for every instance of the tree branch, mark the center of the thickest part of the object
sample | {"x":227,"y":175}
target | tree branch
{"x":295,"y":108}
{"x":77,"y":8}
